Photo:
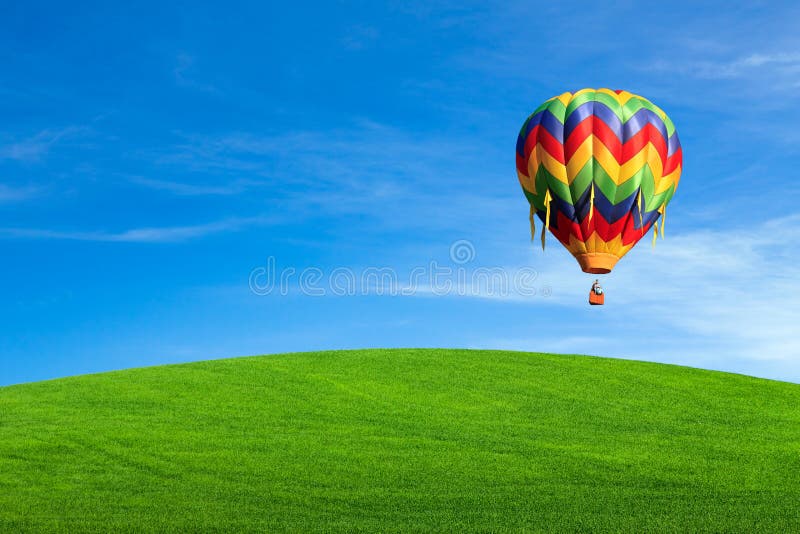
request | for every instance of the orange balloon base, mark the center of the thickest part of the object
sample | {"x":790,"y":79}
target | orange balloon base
{"x":597,"y":262}
{"x":595,"y":299}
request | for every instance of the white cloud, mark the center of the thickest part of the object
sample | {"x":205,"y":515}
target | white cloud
{"x":779,"y":63}
{"x":141,"y":235}
{"x":233,"y":187}
{"x":369,"y":169}
{"x":739,"y":287}
{"x":35,"y":147}
{"x":15,"y":194}
{"x":718,"y":299}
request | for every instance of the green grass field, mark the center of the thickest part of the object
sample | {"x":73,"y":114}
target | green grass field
{"x":402,"y":440}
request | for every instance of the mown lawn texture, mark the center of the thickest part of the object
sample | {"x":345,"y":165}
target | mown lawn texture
{"x":402,"y":440}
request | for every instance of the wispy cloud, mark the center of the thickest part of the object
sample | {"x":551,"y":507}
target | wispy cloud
{"x":182,"y":74}
{"x":167,"y":234}
{"x":369,"y":169}
{"x":14,"y":194}
{"x":722,"y":299}
{"x":36,"y":146}
{"x":737,"y":287}
{"x":233,"y":187}
{"x":782,"y":64}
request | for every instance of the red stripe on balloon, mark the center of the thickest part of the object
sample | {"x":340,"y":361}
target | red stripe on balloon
{"x":551,"y":145}
{"x":564,"y":227}
{"x":648,"y":134}
{"x":631,"y":234}
{"x":593,"y":125}
{"x":606,"y":230}
{"x":522,"y":165}
{"x":673,"y":162}
{"x":530,"y":142}
{"x":578,"y":136}
{"x":624,"y":228}
{"x":607,"y":136}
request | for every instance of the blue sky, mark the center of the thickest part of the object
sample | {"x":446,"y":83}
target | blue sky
{"x":152,"y":157}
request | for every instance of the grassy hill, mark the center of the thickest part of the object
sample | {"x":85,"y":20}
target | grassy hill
{"x":399,"y":440}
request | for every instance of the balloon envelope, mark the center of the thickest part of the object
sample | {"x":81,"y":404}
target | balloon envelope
{"x":598,"y":168}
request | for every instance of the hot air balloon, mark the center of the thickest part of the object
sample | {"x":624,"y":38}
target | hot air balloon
{"x":598,"y":168}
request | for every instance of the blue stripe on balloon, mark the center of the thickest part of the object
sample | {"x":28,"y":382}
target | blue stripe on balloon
{"x":612,"y":213}
{"x":546,"y":120}
{"x":520,"y":146}
{"x":533,"y":120}
{"x":673,"y":144}
{"x":623,"y":131}
{"x":639,"y":120}
{"x":599,"y":110}
{"x":551,"y":123}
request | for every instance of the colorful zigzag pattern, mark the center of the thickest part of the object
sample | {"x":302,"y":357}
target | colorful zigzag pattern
{"x":598,"y":167}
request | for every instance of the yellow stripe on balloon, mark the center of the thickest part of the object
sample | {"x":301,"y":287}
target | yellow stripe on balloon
{"x":614,"y":246}
{"x":533,"y":167}
{"x":579,"y":158}
{"x":576,"y":246}
{"x":553,"y":166}
{"x":564,"y":98}
{"x":671,"y":179}
{"x":605,"y":158}
{"x":624,"y":96}
{"x":527,"y":183}
{"x":635,"y":164}
{"x":596,"y":244}
{"x":593,"y":147}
